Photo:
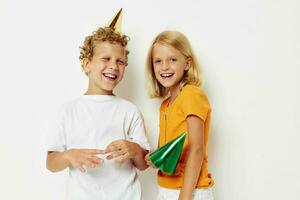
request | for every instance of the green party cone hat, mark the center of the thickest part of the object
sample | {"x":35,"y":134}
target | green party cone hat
{"x":166,"y":157}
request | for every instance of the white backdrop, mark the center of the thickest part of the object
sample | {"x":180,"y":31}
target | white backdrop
{"x":250,"y":54}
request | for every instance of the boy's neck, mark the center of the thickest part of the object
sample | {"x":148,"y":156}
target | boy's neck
{"x":98,"y":92}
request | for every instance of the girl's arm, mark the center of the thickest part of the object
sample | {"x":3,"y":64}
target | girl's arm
{"x":195,"y":156}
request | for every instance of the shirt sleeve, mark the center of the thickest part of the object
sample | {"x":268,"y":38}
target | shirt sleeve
{"x":195,"y":102}
{"x":137,"y":132}
{"x":55,"y":134}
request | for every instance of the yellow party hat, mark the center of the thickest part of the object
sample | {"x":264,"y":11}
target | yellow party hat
{"x":115,"y":23}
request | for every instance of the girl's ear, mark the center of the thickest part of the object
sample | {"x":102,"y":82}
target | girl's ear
{"x":188,"y":64}
{"x":86,"y":65}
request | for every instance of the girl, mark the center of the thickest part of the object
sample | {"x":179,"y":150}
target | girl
{"x":173,"y":71}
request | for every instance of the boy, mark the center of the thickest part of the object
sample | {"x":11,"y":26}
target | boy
{"x":99,"y":136}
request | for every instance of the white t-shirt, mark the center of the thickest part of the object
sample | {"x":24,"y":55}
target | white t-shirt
{"x":94,"y":121}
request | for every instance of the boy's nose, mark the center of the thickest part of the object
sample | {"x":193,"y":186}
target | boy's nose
{"x":113,"y":65}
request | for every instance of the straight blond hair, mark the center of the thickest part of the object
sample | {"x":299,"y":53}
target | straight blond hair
{"x":178,"y":41}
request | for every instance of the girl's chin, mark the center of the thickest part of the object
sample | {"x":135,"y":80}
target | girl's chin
{"x":168,"y":85}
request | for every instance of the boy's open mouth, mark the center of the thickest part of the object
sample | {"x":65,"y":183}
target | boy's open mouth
{"x":110,"y":76}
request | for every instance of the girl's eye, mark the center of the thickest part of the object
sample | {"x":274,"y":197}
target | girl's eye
{"x":157,"y":61}
{"x":173,"y":59}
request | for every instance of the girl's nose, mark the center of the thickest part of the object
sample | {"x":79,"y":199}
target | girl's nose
{"x":164,"y":66}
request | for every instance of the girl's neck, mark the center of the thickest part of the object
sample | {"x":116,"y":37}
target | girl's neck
{"x":174,"y":91}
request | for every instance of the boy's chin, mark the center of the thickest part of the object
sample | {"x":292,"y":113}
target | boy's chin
{"x":108,"y":90}
{"x":104,"y":90}
{"x":104,"y":87}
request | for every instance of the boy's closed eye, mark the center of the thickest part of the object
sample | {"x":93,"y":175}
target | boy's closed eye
{"x":121,"y":62}
{"x":105,"y":59}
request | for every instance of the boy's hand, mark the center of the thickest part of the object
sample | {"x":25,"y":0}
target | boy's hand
{"x":148,"y":161}
{"x":79,"y":158}
{"x":122,"y":150}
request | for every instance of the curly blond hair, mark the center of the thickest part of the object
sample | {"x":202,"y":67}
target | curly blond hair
{"x":101,"y":35}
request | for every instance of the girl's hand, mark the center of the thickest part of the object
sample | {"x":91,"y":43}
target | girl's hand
{"x":79,"y":158}
{"x":148,"y":161}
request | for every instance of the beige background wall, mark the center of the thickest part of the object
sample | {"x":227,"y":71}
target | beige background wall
{"x":249,"y":51}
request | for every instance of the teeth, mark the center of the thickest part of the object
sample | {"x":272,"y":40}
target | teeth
{"x":166,"y":75}
{"x":112,"y":76}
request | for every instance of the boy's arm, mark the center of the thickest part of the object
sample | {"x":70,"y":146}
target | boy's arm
{"x":138,"y":160}
{"x":134,"y":147}
{"x":56,"y":161}
{"x":78,"y":158}
{"x":123,"y":150}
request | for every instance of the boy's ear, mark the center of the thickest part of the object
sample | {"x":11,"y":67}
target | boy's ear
{"x":188,"y":64}
{"x":86,"y":65}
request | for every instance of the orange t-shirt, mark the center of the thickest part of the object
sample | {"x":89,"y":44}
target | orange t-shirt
{"x":190,"y":101}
